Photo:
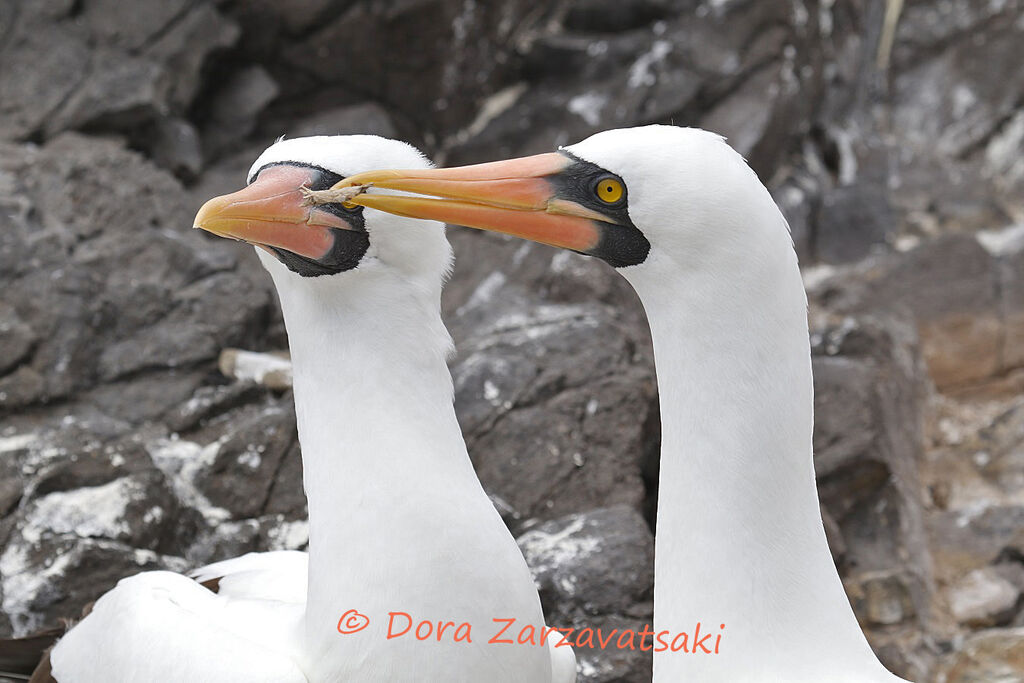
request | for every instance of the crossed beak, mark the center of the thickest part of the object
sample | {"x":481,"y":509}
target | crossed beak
{"x":272,"y":212}
{"x":517,"y":197}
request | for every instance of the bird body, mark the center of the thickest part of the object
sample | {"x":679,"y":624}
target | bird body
{"x":398,"y":519}
{"x":399,"y":523}
{"x":740,"y":539}
{"x":163,"y":626}
{"x":740,"y":548}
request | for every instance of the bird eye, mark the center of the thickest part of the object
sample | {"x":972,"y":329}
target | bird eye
{"x":609,"y":190}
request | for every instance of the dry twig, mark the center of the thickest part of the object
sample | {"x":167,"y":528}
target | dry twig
{"x":893,"y":9}
{"x":331,"y":196}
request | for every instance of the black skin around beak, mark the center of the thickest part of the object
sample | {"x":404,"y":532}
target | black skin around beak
{"x":272,"y":213}
{"x":555,"y":198}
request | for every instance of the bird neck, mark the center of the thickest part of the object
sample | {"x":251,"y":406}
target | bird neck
{"x":398,"y":519}
{"x":740,"y":540}
{"x":373,"y":400}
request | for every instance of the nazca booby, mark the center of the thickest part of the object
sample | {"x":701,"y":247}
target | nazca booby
{"x":740,"y":545}
{"x":398,"y":519}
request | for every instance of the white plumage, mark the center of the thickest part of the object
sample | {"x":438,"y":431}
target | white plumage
{"x":740,"y":539}
{"x":740,"y":546}
{"x":398,"y":519}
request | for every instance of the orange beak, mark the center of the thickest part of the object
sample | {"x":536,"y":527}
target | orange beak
{"x":516,"y":197}
{"x":272,"y":212}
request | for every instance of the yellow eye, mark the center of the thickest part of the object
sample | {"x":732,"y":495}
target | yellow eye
{"x":609,"y":190}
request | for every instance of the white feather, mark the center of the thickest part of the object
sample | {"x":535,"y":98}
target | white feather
{"x":740,"y":539}
{"x":398,"y":519}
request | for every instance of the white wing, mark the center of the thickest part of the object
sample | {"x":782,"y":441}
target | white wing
{"x":162,"y":626}
{"x":278,"y":575}
{"x":563,"y":659}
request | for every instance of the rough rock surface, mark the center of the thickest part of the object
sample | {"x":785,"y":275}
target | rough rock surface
{"x":893,"y":149}
{"x":596,"y":569}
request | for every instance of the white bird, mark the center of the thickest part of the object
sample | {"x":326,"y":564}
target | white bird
{"x":740,"y":545}
{"x":399,"y":522}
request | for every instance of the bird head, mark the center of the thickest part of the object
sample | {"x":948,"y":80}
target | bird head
{"x":299,"y":239}
{"x":646,"y":200}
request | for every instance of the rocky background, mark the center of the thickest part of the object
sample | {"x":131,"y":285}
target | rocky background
{"x":889,"y":131}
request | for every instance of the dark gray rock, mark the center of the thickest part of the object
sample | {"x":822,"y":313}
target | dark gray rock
{"x":231,"y":314}
{"x":37,"y":77}
{"x":11,"y":484}
{"x":236,"y":106}
{"x":145,"y":397}
{"x":119,"y":92}
{"x":112,"y":231}
{"x":93,"y":65}
{"x":249,"y":450}
{"x":16,"y":339}
{"x":175,"y":146}
{"x":557,"y":416}
{"x":359,"y":119}
{"x":851,"y":220}
{"x":58,"y":577}
{"x":184,"y":47}
{"x":601,"y":16}
{"x":114,"y":312}
{"x":301,"y":15}
{"x":596,"y":562}
{"x":756,"y":126}
{"x":93,"y":463}
{"x":209,"y":402}
{"x":21,"y":388}
{"x":287,"y":496}
{"x":547,"y":433}
{"x":439,"y":54}
{"x":612,"y":663}
{"x":111,"y":25}
{"x":870,"y":386}
{"x":595,"y":570}
{"x":963,"y":318}
{"x":91,"y":519}
{"x":967,"y":106}
{"x":1011,"y":290}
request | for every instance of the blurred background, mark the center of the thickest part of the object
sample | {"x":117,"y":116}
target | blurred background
{"x":133,"y":436}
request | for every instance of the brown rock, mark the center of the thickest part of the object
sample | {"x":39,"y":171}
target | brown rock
{"x":983,"y":598}
{"x":881,"y":598}
{"x":959,"y":315}
{"x":987,"y":657}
